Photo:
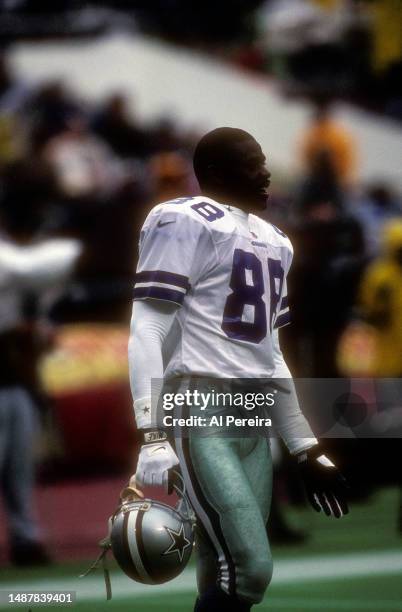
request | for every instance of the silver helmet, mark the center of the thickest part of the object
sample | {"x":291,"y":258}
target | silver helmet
{"x":151,"y":541}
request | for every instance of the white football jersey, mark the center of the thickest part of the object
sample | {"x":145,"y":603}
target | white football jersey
{"x":226,"y":269}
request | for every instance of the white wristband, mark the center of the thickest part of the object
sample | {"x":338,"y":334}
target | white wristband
{"x":143,"y":412}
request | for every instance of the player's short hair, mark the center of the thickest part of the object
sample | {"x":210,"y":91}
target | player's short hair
{"x":213,"y":149}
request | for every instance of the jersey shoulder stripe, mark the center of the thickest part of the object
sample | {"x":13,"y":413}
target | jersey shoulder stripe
{"x":161,"y":276}
{"x":161,"y":285}
{"x":159,"y":293}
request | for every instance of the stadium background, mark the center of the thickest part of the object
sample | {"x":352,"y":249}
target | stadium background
{"x":100,"y":108}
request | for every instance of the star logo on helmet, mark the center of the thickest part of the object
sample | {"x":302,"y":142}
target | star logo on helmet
{"x":179,"y":542}
{"x":146,"y":409}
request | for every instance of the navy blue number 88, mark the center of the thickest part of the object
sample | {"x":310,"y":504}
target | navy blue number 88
{"x":251,"y":294}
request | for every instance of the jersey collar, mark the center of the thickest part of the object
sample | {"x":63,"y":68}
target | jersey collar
{"x":236,"y":211}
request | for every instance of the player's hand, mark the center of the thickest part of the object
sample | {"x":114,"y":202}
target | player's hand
{"x":325,"y":486}
{"x":154,"y":462}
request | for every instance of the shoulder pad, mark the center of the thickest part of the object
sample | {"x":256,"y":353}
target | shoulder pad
{"x":274,"y":234}
{"x":201,"y":209}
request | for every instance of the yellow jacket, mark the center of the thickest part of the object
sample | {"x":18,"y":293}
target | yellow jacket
{"x":381,"y":302}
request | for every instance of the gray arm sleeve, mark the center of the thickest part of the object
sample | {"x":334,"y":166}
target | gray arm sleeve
{"x":287,"y":416}
{"x":150,"y":324}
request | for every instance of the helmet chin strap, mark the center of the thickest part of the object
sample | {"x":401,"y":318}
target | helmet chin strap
{"x":105,"y":545}
{"x":131,"y":494}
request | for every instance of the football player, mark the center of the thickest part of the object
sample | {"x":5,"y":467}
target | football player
{"x":209,"y":298}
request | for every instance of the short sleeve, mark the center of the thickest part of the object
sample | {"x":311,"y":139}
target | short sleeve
{"x":283,"y":314}
{"x":173,"y":252}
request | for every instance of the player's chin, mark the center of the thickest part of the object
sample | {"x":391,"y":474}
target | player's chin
{"x":260,"y":200}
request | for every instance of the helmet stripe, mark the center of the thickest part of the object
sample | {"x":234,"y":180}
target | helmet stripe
{"x":122,"y":551}
{"x":137,"y":552}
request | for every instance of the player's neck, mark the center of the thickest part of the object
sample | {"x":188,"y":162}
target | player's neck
{"x":230,"y":201}
{"x":235,"y":210}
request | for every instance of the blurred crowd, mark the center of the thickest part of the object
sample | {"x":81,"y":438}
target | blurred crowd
{"x":349,"y":49}
{"x":342,"y":231}
{"x":92,"y":173}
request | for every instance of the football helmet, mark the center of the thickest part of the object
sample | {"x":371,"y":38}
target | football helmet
{"x":151,"y":541}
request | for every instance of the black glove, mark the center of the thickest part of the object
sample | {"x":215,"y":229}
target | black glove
{"x":325,"y":486}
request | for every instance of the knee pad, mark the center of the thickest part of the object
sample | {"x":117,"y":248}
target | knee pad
{"x":253,"y":579}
